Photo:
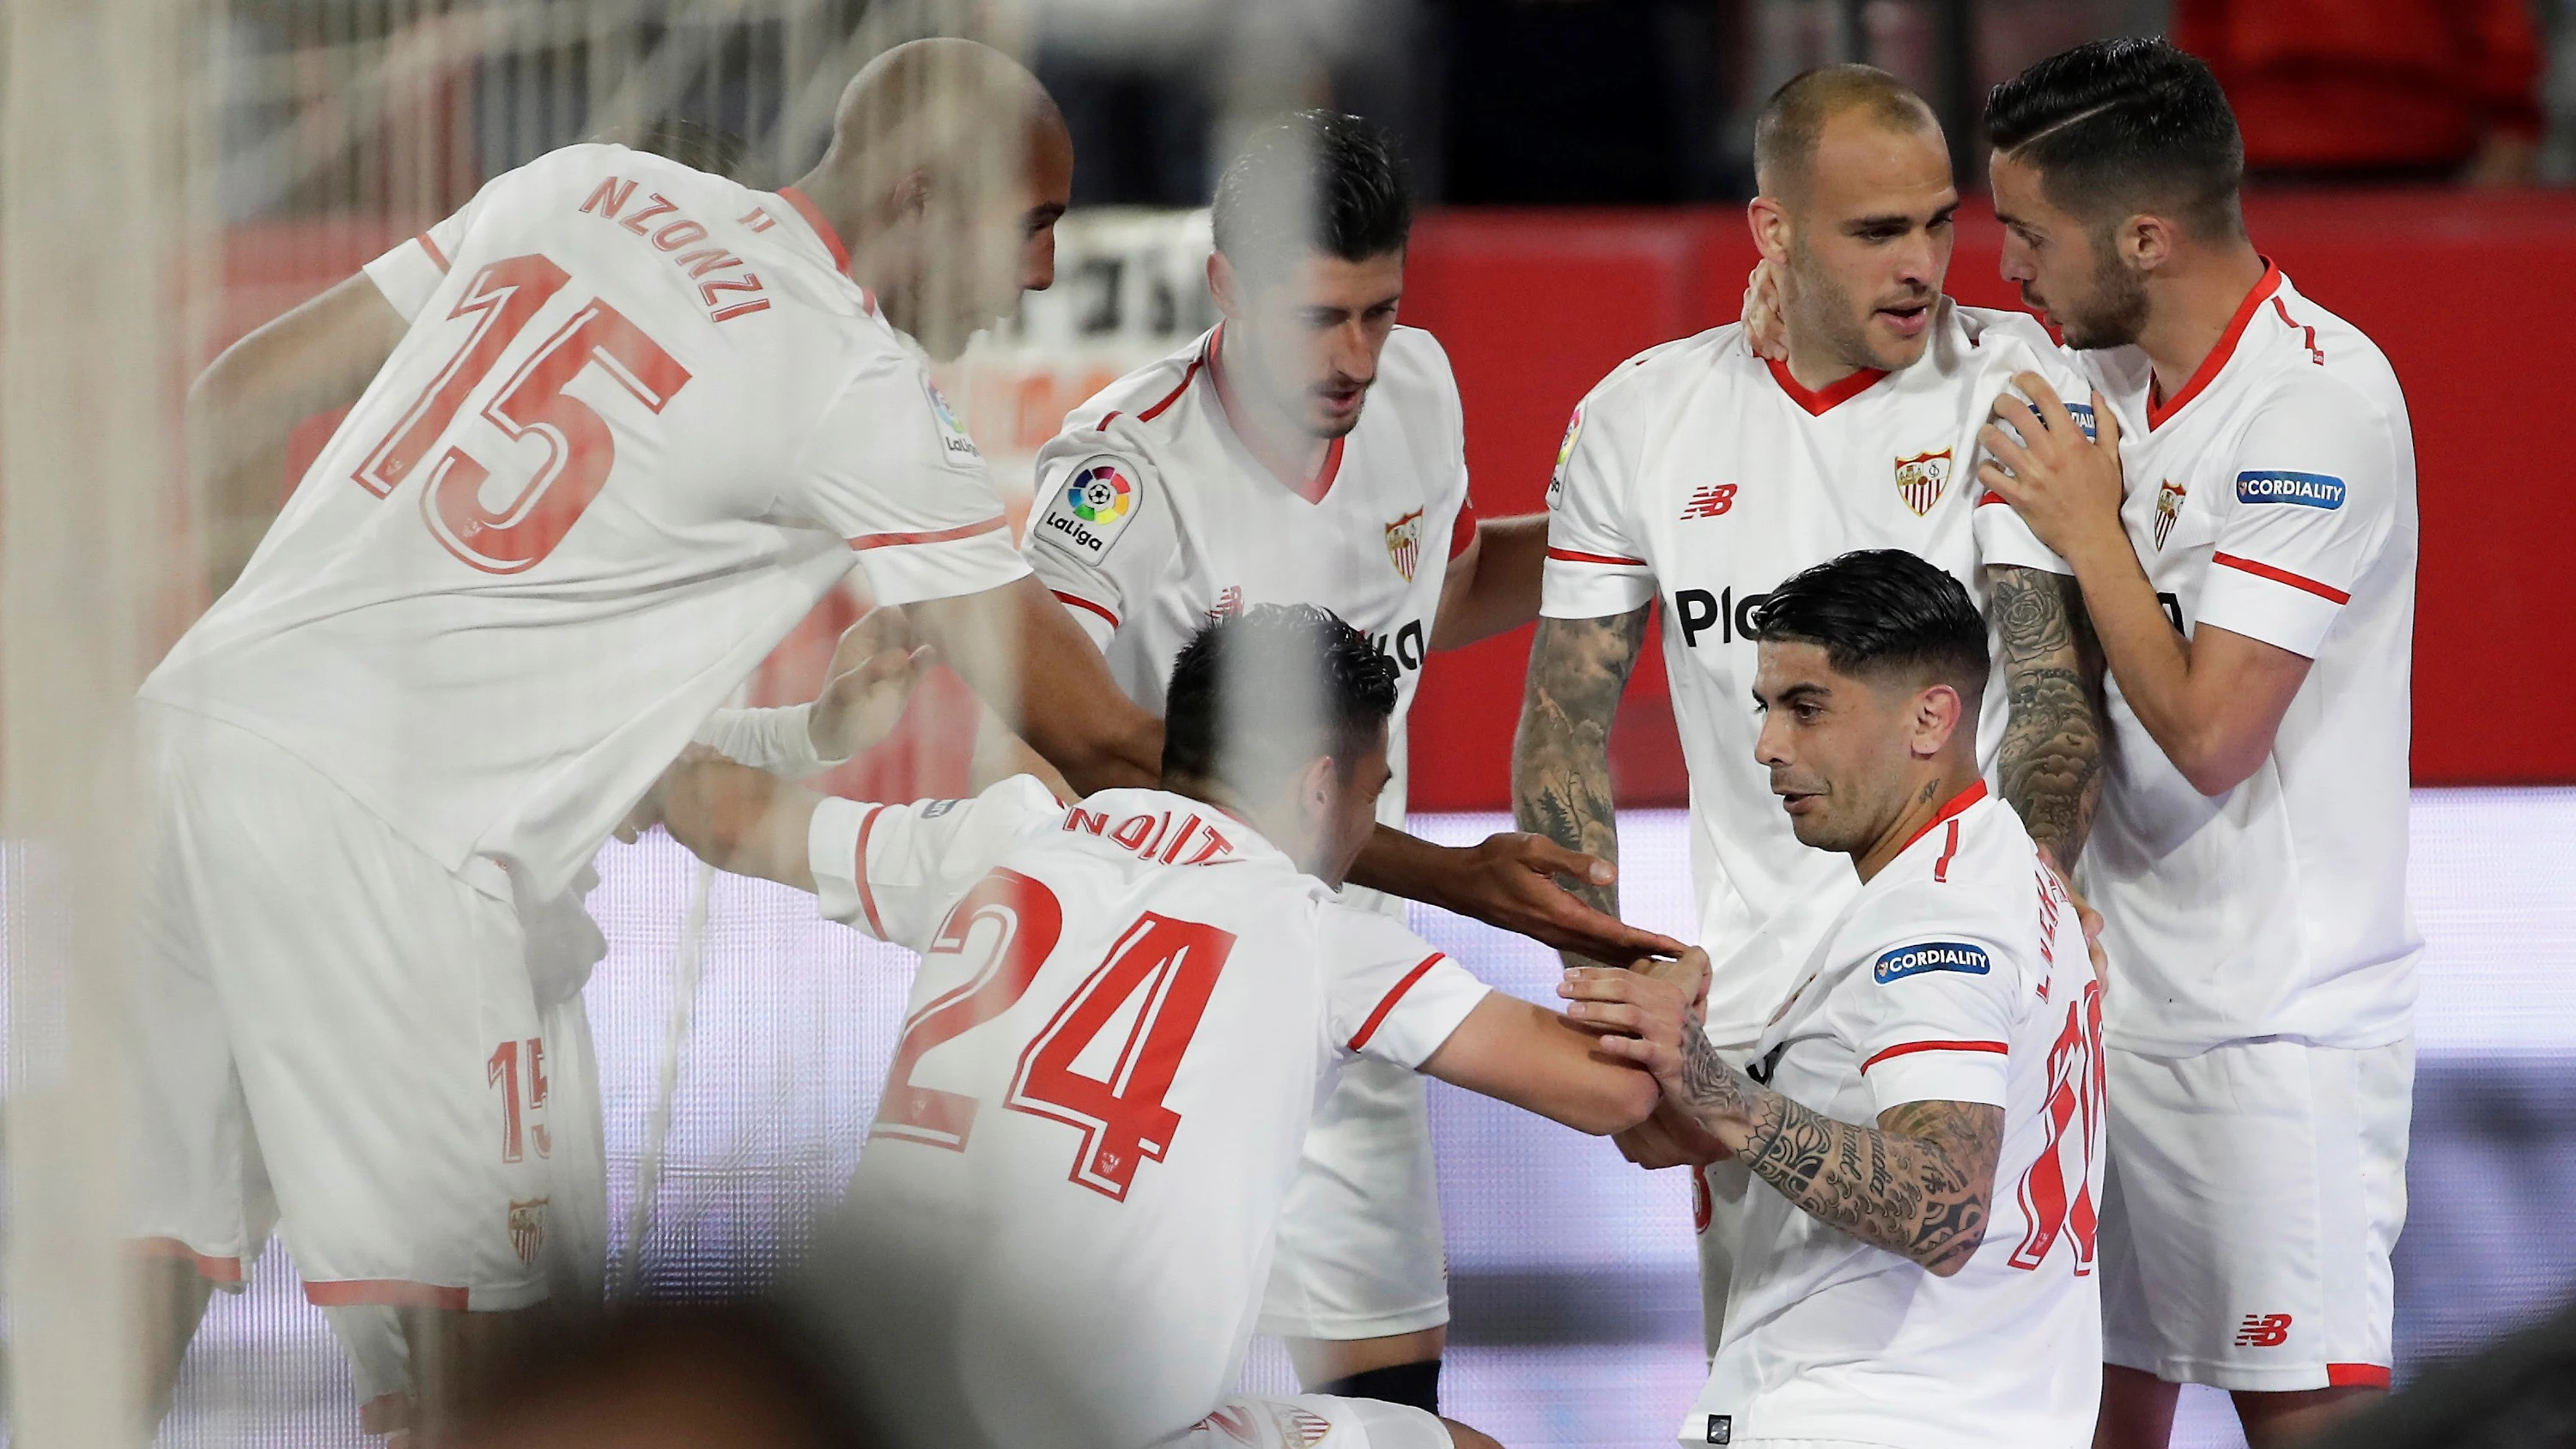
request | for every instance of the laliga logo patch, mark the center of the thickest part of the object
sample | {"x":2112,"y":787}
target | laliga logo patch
{"x":1907,"y":961}
{"x":1920,"y":479}
{"x":2169,"y":501}
{"x":1087,"y":514}
{"x":1564,"y":455}
{"x":953,"y":440}
{"x":1404,"y":544}
{"x":2308,"y":490}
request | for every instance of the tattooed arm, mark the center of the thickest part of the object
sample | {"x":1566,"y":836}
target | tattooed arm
{"x":1561,"y":756}
{"x":1917,"y":1184}
{"x":2052,"y":749}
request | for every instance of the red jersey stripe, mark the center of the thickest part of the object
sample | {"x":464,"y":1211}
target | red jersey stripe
{"x":1953,"y":806}
{"x":867,"y":541}
{"x":1079,"y":602}
{"x":1377,"y":1018}
{"x":2000,"y":1049}
{"x":2356,"y":1375}
{"x":813,"y":215}
{"x":1950,"y":850}
{"x":1818,"y":403}
{"x":2159,"y":409}
{"x":1462,"y":531}
{"x":859,"y":872}
{"x":213,"y":1270}
{"x":389,"y":1292}
{"x":1570,"y":556}
{"x":431,"y":247}
{"x":2327,"y":592}
{"x":1188,"y":375}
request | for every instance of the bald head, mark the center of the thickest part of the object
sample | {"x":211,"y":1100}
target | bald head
{"x":953,"y":108}
{"x":1786,"y":137}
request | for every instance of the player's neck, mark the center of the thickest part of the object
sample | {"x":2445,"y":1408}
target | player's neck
{"x":1816,"y":371}
{"x":1931,"y":795}
{"x":1271,"y":433}
{"x":2191,"y":307}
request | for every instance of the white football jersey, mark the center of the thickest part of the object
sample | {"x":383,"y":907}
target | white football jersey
{"x":641,"y":421}
{"x":1155,"y":518}
{"x":2273,"y":496}
{"x":1957,"y":974}
{"x":1127,"y":1011}
{"x":1700,"y":473}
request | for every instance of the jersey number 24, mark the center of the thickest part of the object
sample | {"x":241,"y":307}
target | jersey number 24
{"x":578,"y":449}
{"x":1014,"y":922}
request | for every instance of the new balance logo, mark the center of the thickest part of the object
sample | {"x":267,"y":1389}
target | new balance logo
{"x":2263,"y":1330}
{"x":1710,"y":502}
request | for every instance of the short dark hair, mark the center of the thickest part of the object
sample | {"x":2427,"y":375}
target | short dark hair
{"x":1313,"y":181}
{"x":1882,"y":611}
{"x":1793,"y":120}
{"x":2123,"y":126}
{"x":1270,"y":690}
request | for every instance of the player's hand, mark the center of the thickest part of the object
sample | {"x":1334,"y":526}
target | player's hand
{"x":2064,"y":485}
{"x":1670,"y":1138}
{"x":1643,"y":1015}
{"x":1766,"y":327}
{"x":866,"y":685}
{"x":1510,"y":880}
{"x":647,"y":812}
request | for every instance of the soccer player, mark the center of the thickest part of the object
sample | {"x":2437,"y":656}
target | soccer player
{"x":1703,"y":474}
{"x":631,"y":420}
{"x":1307,"y":450}
{"x":1126,"y":1014}
{"x":2244,"y":531}
{"x":1924,"y":1114}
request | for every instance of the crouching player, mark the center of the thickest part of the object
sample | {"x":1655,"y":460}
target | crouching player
{"x":1927,"y":1111}
{"x":1126,"y":1013}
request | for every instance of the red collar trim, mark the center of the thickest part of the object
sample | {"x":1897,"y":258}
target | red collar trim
{"x":813,"y":215}
{"x":2158,"y":410}
{"x":1311,"y":489}
{"x":1818,"y":404}
{"x":1957,"y":803}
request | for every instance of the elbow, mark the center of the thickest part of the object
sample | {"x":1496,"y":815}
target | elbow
{"x":1952,"y":1254}
{"x":2216,"y":767}
{"x":1626,"y":1098}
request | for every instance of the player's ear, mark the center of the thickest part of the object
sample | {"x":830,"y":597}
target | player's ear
{"x":2144,"y":242}
{"x":910,"y":196}
{"x":1769,"y":222}
{"x":1938,"y":711}
{"x":1224,"y":285}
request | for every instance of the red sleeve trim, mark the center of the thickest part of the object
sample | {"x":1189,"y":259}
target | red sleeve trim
{"x":2328,"y":592}
{"x":1079,"y":602}
{"x":385,"y":1292}
{"x":212,"y":1269}
{"x":868,"y":541}
{"x":431,"y":247}
{"x":1462,"y":530}
{"x":2001,"y":1049}
{"x":1377,"y":1018}
{"x":1568,"y":555}
{"x":1991,"y":497}
{"x":867,"y":895}
{"x":2356,"y":1375}
{"x":1107,"y":420}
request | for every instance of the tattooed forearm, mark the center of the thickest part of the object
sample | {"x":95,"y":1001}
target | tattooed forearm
{"x":1917,"y":1184}
{"x":2052,"y":746}
{"x":1561,"y":756}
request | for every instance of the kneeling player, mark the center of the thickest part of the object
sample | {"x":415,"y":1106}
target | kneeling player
{"x":1126,"y":1012}
{"x":1925,"y":1281}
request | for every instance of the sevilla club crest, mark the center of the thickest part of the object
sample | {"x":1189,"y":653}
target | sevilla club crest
{"x":1920,"y":479}
{"x":2169,"y":500}
{"x":528,"y":1229}
{"x":1404,"y":544}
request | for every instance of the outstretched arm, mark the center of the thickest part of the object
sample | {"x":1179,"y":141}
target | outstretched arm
{"x":245,"y":405}
{"x":1493,"y":587}
{"x":1046,"y":681}
{"x":1561,"y":756}
{"x":735,"y":818}
{"x":1918,"y":1184}
{"x":1538,"y":1061}
{"x":2052,"y":748}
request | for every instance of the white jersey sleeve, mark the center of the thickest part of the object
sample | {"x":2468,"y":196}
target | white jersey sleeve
{"x":891,"y":471}
{"x":1389,"y":994}
{"x":1103,"y":536}
{"x":894,"y":871}
{"x":1596,"y":562}
{"x":2315,"y":495}
{"x":1935,"y":1018}
{"x":2003,"y":540}
{"x":412,"y":269}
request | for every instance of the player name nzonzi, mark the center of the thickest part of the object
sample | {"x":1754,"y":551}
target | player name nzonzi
{"x":658,"y":220}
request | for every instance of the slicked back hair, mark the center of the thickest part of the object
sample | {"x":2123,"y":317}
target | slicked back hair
{"x":1793,"y":120}
{"x":1313,"y":181}
{"x":1880,"y":612}
{"x":1257,"y":695}
{"x":2123,"y":127}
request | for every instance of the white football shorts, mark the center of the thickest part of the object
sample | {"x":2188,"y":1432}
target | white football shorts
{"x":2251,"y":1198}
{"x":315,"y":996}
{"x":1360,"y":1249}
{"x":1316,"y":1421}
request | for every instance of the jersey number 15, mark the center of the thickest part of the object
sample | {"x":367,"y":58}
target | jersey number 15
{"x":578,"y":447}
